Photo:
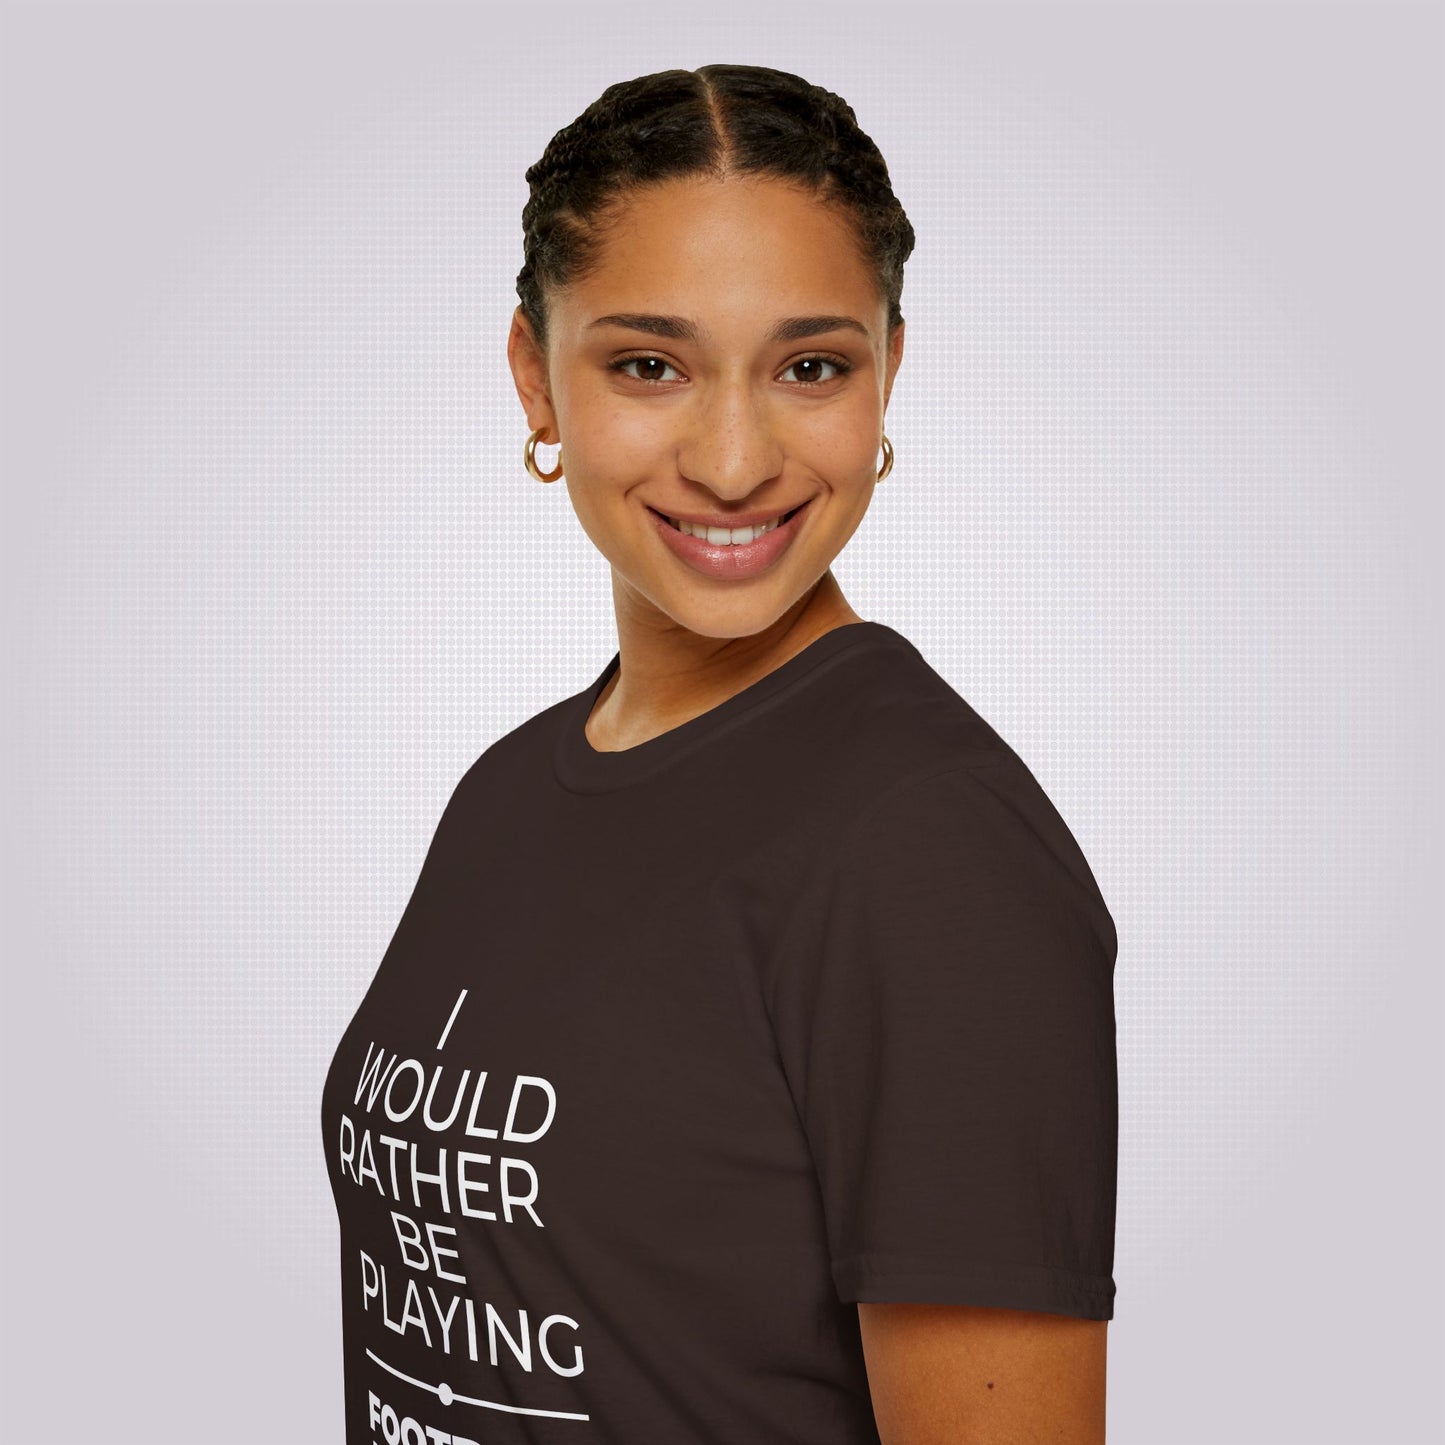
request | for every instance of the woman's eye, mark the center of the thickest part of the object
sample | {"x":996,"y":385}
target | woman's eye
{"x":652,"y":369}
{"x":655,"y":365}
{"x":840,"y":368}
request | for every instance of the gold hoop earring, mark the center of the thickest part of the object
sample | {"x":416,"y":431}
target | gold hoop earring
{"x":887,"y":457}
{"x":529,"y":458}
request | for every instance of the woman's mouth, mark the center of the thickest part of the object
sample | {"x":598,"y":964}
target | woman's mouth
{"x":730,"y":552}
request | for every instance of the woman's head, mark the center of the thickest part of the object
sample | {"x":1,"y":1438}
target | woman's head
{"x":707,"y":213}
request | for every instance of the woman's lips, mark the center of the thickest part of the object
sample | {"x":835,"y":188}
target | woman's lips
{"x":729,"y":561}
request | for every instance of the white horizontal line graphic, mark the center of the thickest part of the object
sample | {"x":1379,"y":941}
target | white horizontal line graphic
{"x":446,"y":1395}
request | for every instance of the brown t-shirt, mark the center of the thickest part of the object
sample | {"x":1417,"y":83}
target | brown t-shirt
{"x":677,"y":1052}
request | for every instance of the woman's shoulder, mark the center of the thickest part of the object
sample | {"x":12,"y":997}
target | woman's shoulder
{"x":895,"y":716}
{"x":912,"y":759}
{"x":512,"y":761}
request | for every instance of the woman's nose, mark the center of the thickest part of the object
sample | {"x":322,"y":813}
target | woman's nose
{"x":730,"y":442}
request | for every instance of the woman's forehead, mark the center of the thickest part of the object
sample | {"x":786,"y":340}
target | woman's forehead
{"x":716,"y":253}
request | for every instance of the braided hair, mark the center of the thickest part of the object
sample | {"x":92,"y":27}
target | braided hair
{"x":719,"y":120}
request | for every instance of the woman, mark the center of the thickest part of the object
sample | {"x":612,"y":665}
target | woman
{"x":742,"y":1068}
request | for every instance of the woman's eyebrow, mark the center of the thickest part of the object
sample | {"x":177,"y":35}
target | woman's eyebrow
{"x":680,"y":328}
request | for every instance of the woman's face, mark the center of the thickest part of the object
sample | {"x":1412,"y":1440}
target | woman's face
{"x":727,"y":362}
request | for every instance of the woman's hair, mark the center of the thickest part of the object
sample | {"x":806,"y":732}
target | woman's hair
{"x":719,"y":120}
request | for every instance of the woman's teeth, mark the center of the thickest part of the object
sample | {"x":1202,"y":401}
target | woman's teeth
{"x":726,"y":536}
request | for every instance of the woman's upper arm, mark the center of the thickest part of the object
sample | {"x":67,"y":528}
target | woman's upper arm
{"x":943,"y":1374}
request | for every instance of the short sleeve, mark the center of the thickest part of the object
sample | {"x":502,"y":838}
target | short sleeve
{"x":945,"y":1019}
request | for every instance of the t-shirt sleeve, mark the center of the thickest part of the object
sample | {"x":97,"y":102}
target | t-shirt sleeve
{"x":945,"y":1020}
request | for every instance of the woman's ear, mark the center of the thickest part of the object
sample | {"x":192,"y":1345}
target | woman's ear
{"x":895,"y":356}
{"x":529,"y":373}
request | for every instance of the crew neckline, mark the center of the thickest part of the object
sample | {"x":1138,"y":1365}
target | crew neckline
{"x":581,"y":768}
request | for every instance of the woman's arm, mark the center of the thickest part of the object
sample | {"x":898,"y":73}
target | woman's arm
{"x":965,"y":1375}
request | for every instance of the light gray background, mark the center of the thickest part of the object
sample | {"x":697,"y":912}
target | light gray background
{"x":1166,"y":510}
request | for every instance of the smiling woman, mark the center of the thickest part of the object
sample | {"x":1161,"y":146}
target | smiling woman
{"x":738,"y":413}
{"x":816,"y":982}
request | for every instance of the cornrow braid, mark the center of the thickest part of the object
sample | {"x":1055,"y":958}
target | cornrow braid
{"x":719,"y":120}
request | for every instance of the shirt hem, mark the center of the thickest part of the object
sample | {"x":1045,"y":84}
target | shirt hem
{"x":883,"y":1278}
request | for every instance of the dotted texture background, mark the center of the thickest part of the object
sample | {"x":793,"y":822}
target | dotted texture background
{"x":1165,"y":509}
